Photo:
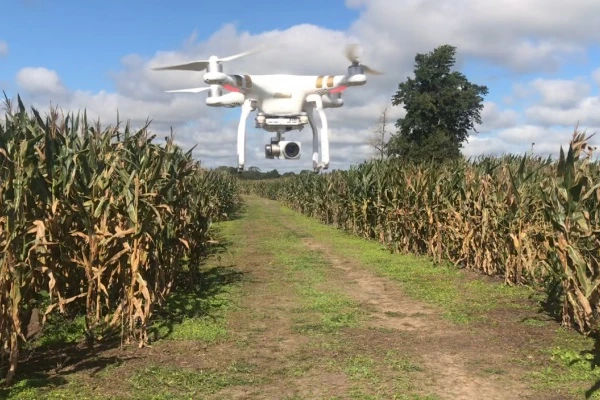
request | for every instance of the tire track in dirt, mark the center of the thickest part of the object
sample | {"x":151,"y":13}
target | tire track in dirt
{"x":444,"y":349}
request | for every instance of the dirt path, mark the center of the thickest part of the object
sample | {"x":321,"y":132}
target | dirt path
{"x":445,"y":361}
{"x":443,"y":349}
{"x":288,"y":315}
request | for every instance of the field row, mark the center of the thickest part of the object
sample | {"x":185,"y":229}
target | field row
{"x":531,"y":220}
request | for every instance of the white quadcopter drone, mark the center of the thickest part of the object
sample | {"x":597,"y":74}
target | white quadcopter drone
{"x":284,"y":102}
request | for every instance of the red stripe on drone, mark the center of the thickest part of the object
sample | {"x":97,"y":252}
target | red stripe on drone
{"x":231,"y":88}
{"x":338,"y":89}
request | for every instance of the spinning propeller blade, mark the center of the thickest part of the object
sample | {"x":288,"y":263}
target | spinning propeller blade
{"x":243,"y":54}
{"x":190,"y":90}
{"x":201,"y":65}
{"x":351,"y":53}
{"x":192,"y":66}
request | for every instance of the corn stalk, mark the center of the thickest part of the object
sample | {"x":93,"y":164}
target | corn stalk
{"x":96,"y":221}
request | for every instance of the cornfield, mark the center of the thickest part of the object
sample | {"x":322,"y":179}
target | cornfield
{"x":96,"y":221}
{"x":532,"y":220}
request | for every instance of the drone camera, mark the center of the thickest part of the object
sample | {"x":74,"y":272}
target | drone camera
{"x":287,"y":150}
{"x":291,"y":150}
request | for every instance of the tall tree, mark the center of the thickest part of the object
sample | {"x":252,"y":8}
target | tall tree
{"x":441,"y":107}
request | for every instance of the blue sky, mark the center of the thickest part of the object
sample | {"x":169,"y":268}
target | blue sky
{"x":82,"y":44}
{"x":84,"y":40}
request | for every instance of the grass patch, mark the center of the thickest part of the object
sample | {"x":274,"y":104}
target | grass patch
{"x":55,"y":388}
{"x":60,"y":330}
{"x":323,"y":309}
{"x":200,"y":313}
{"x":400,"y":363}
{"x":360,"y":367}
{"x":155,"y":382}
{"x":197,"y":310}
{"x":167,"y":382}
{"x":572,"y":360}
{"x":370,"y":377}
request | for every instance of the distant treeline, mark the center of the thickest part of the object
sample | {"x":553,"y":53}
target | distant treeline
{"x":255,"y":173}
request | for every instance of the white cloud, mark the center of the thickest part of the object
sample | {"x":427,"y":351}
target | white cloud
{"x":477,"y":145}
{"x":492,"y":118}
{"x":524,"y":139}
{"x":140,"y":94}
{"x":3,"y":48}
{"x":40,"y":81}
{"x":562,"y":93}
{"x":365,"y":116}
{"x":511,"y":34}
{"x":586,"y":113}
{"x":525,"y":134}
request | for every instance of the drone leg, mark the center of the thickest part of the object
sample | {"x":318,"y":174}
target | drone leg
{"x":241,"y":145}
{"x":324,"y":164}
{"x":324,"y":134}
{"x":315,"y":142}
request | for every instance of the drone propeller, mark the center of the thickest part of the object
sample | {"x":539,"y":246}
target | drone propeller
{"x":190,"y":90}
{"x":351,"y":54}
{"x":201,"y":65}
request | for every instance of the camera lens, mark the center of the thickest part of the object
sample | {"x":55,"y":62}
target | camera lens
{"x":292,"y":150}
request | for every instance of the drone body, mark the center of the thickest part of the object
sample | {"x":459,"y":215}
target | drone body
{"x":284,"y":102}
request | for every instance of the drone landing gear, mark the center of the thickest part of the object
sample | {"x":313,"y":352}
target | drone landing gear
{"x":318,"y":105}
{"x":249,"y":105}
{"x":247,"y":108}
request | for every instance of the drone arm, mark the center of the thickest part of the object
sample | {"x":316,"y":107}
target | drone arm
{"x":232,"y":83}
{"x":218,"y":78}
{"x":241,"y":145}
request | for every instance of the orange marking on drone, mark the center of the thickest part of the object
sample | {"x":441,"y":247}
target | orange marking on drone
{"x":320,"y":82}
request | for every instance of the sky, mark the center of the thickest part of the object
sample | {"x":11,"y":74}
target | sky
{"x":540,"y":62}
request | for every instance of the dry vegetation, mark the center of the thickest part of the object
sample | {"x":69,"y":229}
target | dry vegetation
{"x":95,"y":222}
{"x":532,"y":220}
